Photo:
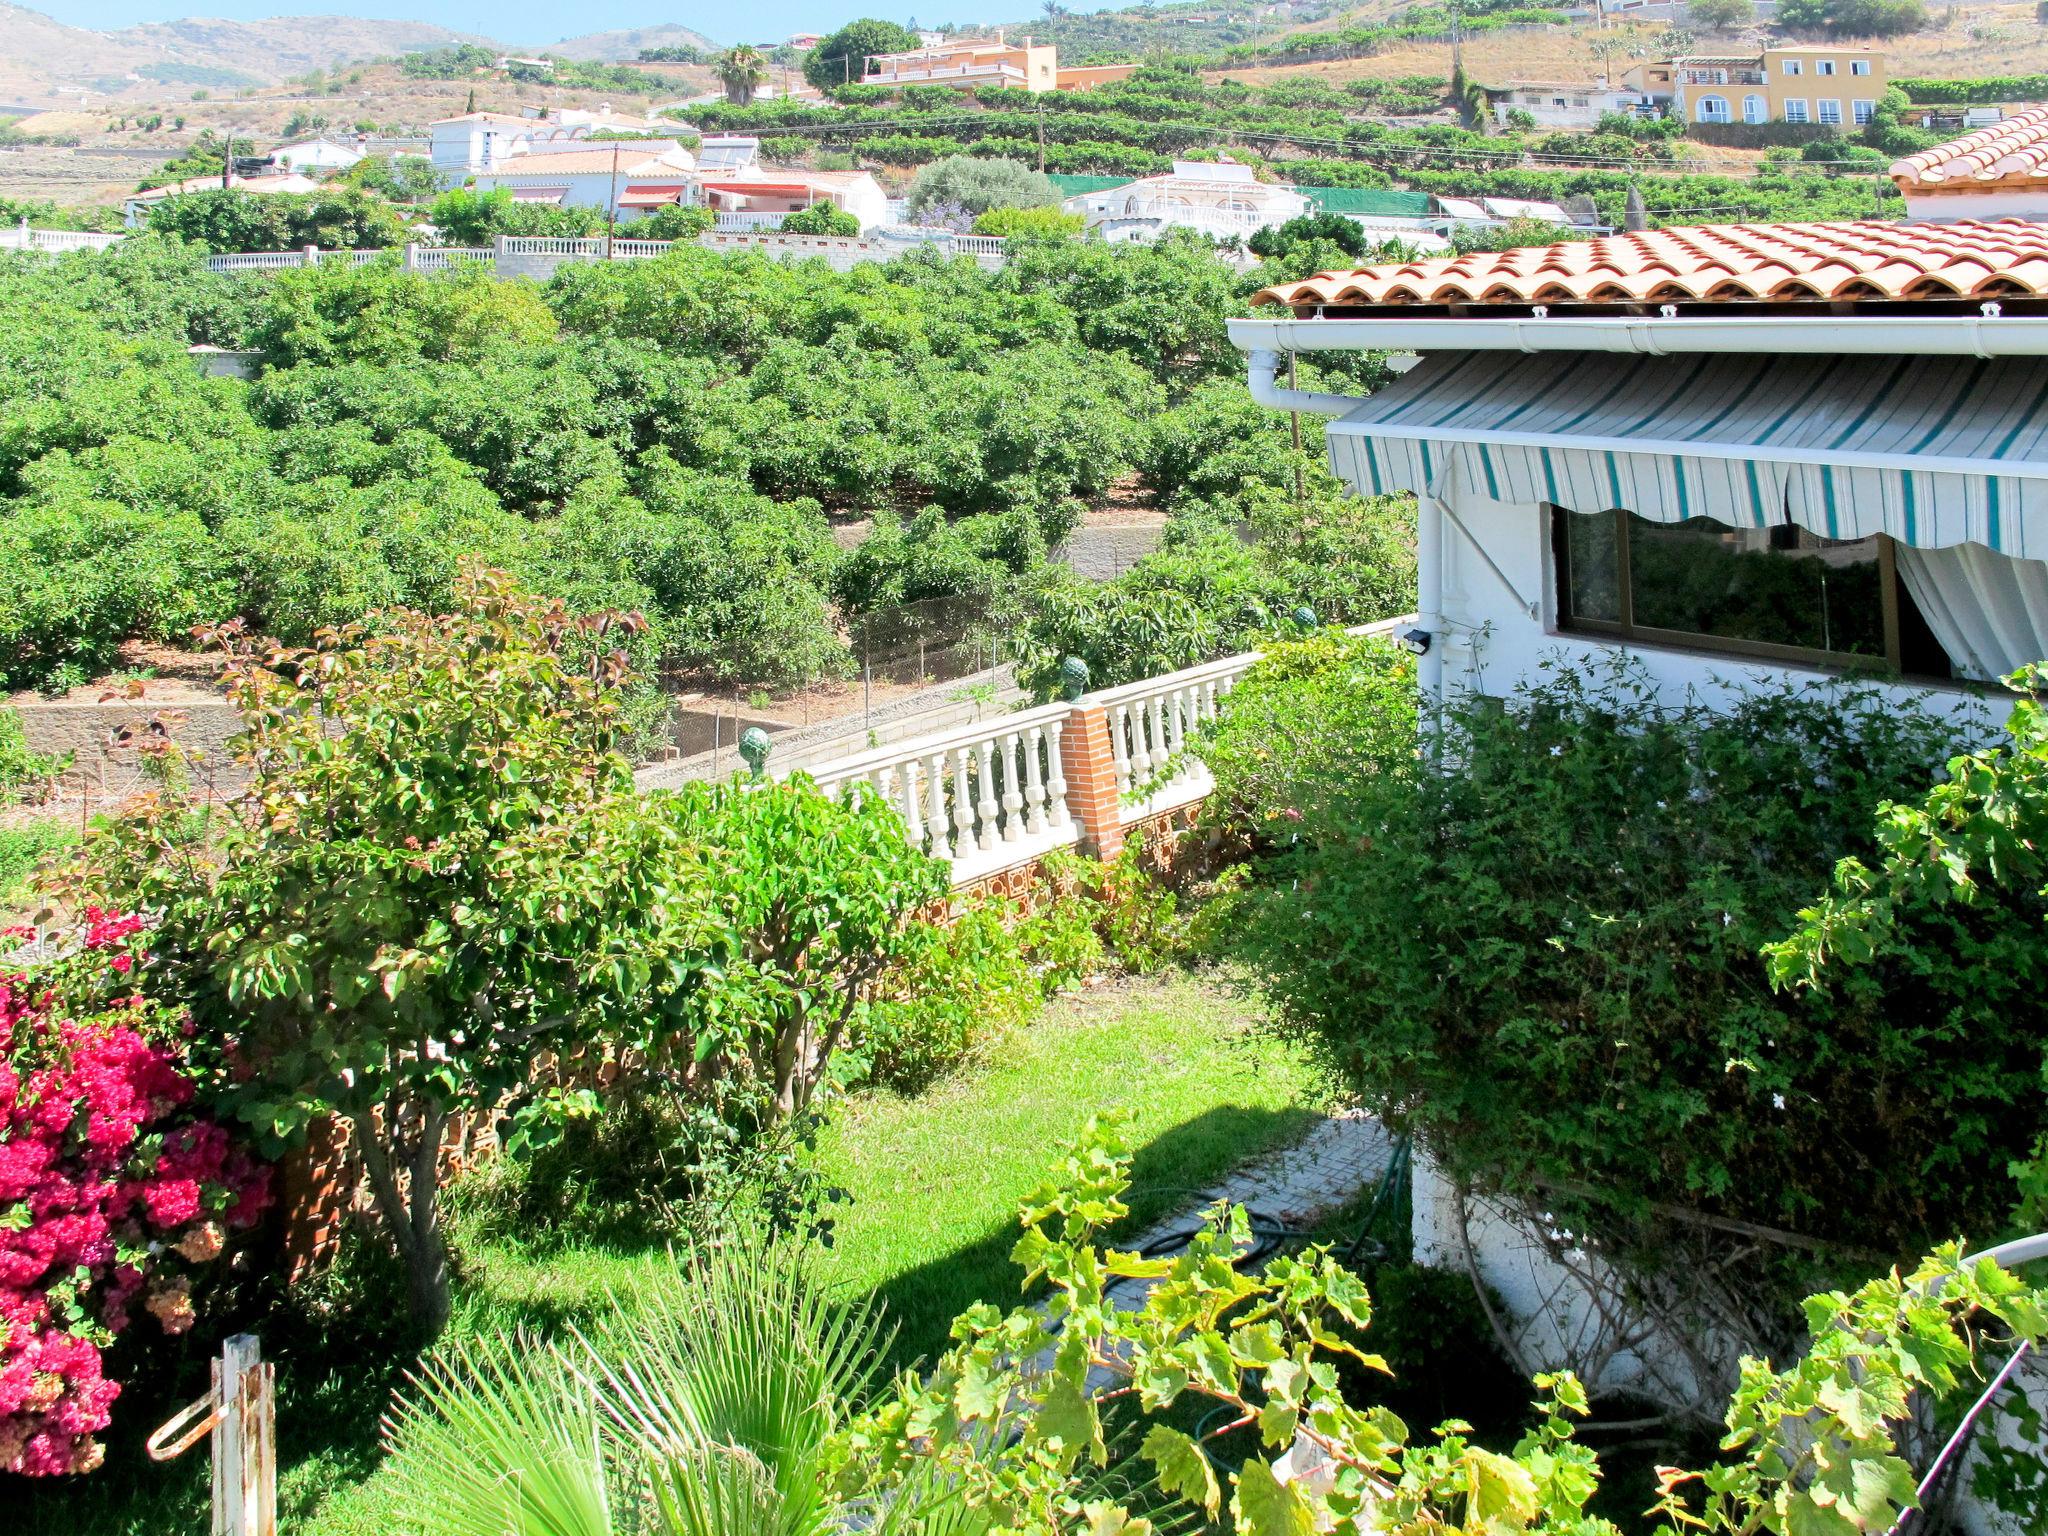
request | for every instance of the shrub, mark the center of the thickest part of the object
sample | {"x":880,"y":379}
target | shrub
{"x":674,"y":221}
{"x":467,"y":217}
{"x":1969,"y":849}
{"x":1029,"y":224}
{"x":977,"y":185}
{"x":112,"y":1189}
{"x":224,"y":219}
{"x":1334,"y":229}
{"x":841,"y":57}
{"x":1544,"y":958}
{"x":409,"y":951}
{"x":821,"y":219}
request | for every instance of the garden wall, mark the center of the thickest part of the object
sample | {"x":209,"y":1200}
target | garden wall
{"x":103,"y":739}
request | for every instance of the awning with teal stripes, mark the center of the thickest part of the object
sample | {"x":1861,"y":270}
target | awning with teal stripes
{"x":1934,"y":451}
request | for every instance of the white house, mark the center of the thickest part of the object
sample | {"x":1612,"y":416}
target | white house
{"x":628,"y":177}
{"x":135,"y":207}
{"x":761,"y":196}
{"x":1739,"y":455}
{"x":1576,"y":104}
{"x":1831,"y":400}
{"x":483,"y":141}
{"x":1220,"y":199}
{"x":311,"y":156}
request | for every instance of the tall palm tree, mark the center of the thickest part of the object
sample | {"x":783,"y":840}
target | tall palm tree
{"x":742,"y":71}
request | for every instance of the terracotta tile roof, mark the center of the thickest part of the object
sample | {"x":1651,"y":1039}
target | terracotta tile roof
{"x":632,"y":161}
{"x":2013,"y":150}
{"x":1719,"y":263}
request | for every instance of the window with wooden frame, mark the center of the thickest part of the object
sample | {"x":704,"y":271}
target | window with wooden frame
{"x":1781,"y":593}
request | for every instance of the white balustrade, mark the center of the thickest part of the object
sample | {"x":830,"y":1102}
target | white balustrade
{"x":640,"y":250}
{"x":256,"y":261}
{"x":549,"y":245}
{"x":978,"y":245}
{"x":439,"y":258}
{"x":993,"y":795}
{"x":744,"y":220}
{"x":982,"y":796}
{"x":1150,"y":723}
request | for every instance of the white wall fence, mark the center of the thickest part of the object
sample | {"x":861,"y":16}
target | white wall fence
{"x":540,"y":256}
{"x":22,"y":238}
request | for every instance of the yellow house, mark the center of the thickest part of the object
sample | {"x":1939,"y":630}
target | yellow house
{"x":969,"y":64}
{"x":1833,"y":87}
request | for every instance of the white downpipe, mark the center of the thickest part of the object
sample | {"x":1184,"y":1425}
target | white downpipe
{"x":1262,"y":373}
{"x":1429,"y":605}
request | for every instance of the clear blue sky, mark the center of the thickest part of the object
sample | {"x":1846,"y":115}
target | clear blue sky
{"x":539,"y":21}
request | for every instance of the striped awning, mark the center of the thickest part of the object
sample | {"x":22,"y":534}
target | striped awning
{"x":1931,"y":450}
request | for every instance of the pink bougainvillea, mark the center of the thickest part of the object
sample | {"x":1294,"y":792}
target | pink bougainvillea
{"x":109,"y":1186}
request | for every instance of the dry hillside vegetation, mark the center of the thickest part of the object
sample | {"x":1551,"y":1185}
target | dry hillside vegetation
{"x":40,"y":56}
{"x":108,"y":163}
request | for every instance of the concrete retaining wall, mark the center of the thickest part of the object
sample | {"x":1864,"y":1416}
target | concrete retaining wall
{"x":103,"y":739}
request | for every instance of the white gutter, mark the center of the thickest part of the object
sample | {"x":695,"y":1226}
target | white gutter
{"x":1262,"y":372}
{"x":1989,"y":334}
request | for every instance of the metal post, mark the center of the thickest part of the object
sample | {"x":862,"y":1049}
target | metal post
{"x":240,"y":1413}
{"x":1294,"y":427}
{"x":1429,"y":606}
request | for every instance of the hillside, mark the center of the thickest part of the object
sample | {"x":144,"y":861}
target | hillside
{"x":44,"y":62}
{"x":625,"y":44}
{"x":115,"y":146}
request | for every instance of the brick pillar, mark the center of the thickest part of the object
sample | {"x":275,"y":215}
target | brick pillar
{"x":318,"y":1190}
{"x":1089,"y":763}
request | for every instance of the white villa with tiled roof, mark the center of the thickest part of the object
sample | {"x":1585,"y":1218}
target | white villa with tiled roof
{"x":1849,"y":418}
{"x":640,"y":174}
{"x":1736,"y":455}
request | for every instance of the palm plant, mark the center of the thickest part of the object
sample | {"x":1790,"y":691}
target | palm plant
{"x":702,"y":1414}
{"x":742,"y":71}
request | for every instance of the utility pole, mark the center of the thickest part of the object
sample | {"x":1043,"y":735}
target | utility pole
{"x":611,"y":211}
{"x":1041,"y":138}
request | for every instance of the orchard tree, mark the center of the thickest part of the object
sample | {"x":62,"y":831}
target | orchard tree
{"x":442,"y":869}
{"x":420,"y":892}
{"x":841,"y":57}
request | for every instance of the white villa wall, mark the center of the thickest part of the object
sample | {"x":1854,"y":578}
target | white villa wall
{"x":1492,"y":643}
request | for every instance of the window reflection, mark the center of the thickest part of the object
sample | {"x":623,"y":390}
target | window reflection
{"x":1770,"y":586}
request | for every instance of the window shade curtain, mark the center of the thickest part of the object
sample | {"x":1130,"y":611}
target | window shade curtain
{"x":1989,"y":611}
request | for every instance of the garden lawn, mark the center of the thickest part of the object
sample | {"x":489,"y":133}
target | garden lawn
{"x":935,"y":1180}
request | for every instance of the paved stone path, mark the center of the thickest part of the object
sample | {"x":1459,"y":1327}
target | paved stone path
{"x":1342,"y":1154}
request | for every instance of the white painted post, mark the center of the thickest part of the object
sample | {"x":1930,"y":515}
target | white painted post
{"x":245,"y":1441}
{"x":240,"y":1416}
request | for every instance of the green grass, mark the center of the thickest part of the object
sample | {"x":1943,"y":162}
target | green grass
{"x":22,"y":848}
{"x":935,"y":1180}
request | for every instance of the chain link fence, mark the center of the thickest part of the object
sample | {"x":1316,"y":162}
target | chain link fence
{"x":908,"y":669}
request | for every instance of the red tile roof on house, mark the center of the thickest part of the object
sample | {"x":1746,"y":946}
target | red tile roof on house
{"x":1714,"y":264}
{"x":2009,"y":153}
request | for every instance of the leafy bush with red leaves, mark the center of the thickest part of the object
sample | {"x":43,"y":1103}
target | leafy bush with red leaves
{"x":111,"y":1187}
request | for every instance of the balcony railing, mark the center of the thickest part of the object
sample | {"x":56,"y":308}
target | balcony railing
{"x":1000,"y":793}
{"x":982,"y":797}
{"x":22,"y":238}
{"x":943,"y":73}
{"x":741,"y":219}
